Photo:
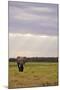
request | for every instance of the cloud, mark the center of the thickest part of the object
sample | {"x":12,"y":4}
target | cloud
{"x":33,"y":18}
{"x":41,"y":9}
{"x":26,"y":35}
{"x":22,"y":14}
{"x":32,"y":45}
{"x":31,"y":13}
{"x":33,"y":29}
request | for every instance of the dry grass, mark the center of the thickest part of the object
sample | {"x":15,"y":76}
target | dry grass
{"x":34,"y":74}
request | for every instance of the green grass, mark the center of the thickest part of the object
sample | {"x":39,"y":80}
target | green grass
{"x":34,"y":74}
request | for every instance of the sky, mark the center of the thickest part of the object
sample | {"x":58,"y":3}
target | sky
{"x":33,"y":29}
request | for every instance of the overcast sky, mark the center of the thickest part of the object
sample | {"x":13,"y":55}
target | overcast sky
{"x":33,"y":29}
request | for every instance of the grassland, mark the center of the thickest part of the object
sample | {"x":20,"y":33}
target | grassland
{"x":34,"y":74}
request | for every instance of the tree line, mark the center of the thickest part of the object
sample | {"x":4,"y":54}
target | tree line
{"x":36,"y":59}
